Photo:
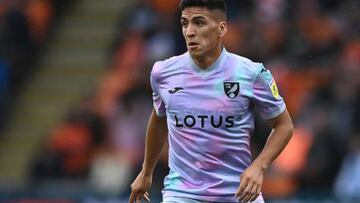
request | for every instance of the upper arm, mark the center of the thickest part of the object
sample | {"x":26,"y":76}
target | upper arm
{"x":158,"y":102}
{"x":160,"y":120}
{"x":282,"y":120}
{"x":157,"y":123}
{"x":265,"y":95}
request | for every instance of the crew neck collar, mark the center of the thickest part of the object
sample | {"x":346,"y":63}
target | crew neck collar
{"x":212,"y":67}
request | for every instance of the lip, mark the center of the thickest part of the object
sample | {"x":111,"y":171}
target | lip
{"x":192,"y":45}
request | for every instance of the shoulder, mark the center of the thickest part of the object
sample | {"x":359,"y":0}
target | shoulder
{"x":245,"y":65}
{"x":161,"y":68}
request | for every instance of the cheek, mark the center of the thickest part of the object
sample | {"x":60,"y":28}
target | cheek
{"x":183,"y":33}
{"x":211,"y":37}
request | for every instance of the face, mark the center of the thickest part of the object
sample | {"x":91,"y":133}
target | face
{"x":202,"y":29}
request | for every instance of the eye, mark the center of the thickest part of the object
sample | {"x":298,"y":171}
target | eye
{"x":184,"y":23}
{"x":199,"y":22}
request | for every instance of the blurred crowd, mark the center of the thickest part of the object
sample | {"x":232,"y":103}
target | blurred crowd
{"x":312,"y":47}
{"x":25,"y":26}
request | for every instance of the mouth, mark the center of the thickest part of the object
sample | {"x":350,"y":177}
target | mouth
{"x":192,"y":45}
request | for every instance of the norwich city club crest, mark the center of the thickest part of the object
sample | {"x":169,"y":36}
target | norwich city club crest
{"x":231,"y":89}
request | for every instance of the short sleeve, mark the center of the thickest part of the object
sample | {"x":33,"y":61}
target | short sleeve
{"x":266,"y":95}
{"x":158,"y":102}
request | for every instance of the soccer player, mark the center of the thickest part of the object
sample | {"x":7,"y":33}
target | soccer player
{"x":204,"y":103}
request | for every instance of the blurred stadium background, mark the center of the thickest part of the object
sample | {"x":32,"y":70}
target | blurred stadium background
{"x":75,"y":95}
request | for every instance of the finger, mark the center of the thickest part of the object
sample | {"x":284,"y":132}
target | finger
{"x":245,"y":193}
{"x":132,"y":197}
{"x":248,"y":197}
{"x":252,"y":193}
{"x":146,"y":197}
{"x":138,"y":199}
{"x":241,"y":189}
{"x":255,"y":196}
{"x":256,"y":192}
{"x":239,"y":192}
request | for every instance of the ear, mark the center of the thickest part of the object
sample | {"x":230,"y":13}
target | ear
{"x":222,"y":29}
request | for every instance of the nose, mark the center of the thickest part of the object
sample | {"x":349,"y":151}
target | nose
{"x":190,"y":32}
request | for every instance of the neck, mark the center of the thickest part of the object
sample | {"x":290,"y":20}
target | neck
{"x":208,"y":59}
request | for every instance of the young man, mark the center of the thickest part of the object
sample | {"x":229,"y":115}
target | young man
{"x":205,"y":99}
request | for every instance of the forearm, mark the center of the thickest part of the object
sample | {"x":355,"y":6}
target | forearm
{"x":156,"y":136}
{"x":278,"y":139}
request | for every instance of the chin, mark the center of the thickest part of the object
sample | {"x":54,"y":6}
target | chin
{"x":195,"y":53}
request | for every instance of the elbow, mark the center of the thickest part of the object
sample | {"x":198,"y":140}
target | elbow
{"x":290,"y":130}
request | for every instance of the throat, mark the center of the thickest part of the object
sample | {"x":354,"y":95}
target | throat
{"x":204,"y":62}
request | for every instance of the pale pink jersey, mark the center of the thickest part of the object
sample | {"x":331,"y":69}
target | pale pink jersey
{"x":210,"y":118}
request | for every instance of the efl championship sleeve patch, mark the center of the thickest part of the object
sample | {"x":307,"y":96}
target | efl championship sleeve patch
{"x":268,"y":78}
{"x":274,"y":89}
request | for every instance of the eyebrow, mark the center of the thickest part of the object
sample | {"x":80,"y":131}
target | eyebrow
{"x":199,"y":18}
{"x":194,"y":18}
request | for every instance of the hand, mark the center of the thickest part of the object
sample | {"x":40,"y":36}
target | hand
{"x":139,"y":188}
{"x":250,"y":184}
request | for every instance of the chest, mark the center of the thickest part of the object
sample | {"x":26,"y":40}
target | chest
{"x":215,"y":93}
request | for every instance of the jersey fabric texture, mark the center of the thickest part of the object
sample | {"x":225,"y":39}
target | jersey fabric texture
{"x":187,"y":200}
{"x":210,"y":120}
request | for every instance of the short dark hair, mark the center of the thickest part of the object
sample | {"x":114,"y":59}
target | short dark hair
{"x":209,"y":4}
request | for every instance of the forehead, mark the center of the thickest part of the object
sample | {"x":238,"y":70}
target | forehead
{"x":192,"y":12}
